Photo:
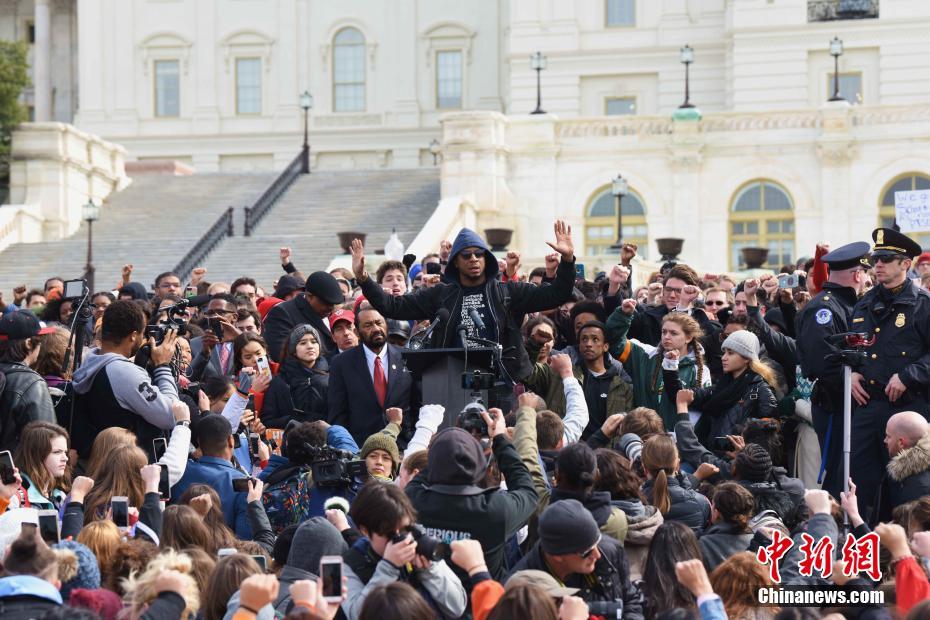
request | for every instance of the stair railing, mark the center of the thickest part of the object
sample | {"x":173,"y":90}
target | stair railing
{"x":255,"y":213}
{"x":221,"y":228}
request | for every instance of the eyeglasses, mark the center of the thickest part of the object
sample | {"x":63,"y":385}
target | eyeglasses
{"x":715,"y":303}
{"x":470,"y":255}
{"x":587,"y":554}
{"x":886,"y":258}
{"x":670,"y":289}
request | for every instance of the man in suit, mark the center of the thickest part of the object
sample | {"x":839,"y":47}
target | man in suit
{"x":321,"y":296}
{"x":211,"y":357}
{"x":367,"y":379}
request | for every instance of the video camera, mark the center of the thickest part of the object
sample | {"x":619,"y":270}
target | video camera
{"x":331,"y":467}
{"x":173,"y":321}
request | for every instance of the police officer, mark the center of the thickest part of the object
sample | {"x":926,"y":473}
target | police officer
{"x":896,"y":372}
{"x":825,"y":315}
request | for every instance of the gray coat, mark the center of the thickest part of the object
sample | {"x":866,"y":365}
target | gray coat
{"x":720,"y":542}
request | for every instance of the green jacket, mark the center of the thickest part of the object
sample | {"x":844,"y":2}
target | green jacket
{"x":643,"y":362}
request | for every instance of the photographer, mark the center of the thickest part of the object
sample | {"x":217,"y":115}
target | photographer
{"x":451,"y":501}
{"x":113,"y":391}
{"x":393,"y":549}
{"x":25,"y":397}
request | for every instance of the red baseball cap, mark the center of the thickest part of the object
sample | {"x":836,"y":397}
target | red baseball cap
{"x":340,"y":315}
{"x":20,"y":325}
{"x":923,"y":258}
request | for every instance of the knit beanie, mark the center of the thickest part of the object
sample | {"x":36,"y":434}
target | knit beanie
{"x":743,"y":342}
{"x":567,"y":527}
{"x":753,"y":463}
{"x":382,"y":441}
{"x":104,"y":603}
{"x":87,"y":575}
{"x":299,"y":332}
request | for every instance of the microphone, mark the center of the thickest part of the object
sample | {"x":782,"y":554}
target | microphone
{"x":476,"y":319}
{"x":441,"y":317}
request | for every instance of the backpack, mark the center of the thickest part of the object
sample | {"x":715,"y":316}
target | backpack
{"x":287,"y":500}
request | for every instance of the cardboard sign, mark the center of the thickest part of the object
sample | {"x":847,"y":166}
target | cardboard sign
{"x":912,"y":210}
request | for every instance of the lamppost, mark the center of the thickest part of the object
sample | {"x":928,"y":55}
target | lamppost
{"x":619,"y":188}
{"x":537,"y":64}
{"x":686,"y":55}
{"x":434,"y":150}
{"x":306,"y":102}
{"x":90,"y":213}
{"x":836,"y":50}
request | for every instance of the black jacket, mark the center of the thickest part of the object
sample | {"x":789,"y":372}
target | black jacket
{"x":287,"y":315}
{"x":721,"y":541}
{"x":827,"y":314}
{"x":611,"y":577}
{"x":509,"y":302}
{"x":490,"y":516}
{"x":688,"y":506}
{"x":351,"y":397}
{"x":296,"y":388}
{"x":24,"y":398}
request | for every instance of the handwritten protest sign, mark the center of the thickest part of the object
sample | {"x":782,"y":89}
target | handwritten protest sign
{"x":912,"y":210}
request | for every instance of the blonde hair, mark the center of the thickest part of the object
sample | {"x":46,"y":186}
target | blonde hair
{"x":737,"y":581}
{"x":140,"y":587}
{"x":765,"y":371}
{"x":103,"y":538}
{"x":119,"y":475}
{"x":691,"y":328}
{"x":660,"y":460}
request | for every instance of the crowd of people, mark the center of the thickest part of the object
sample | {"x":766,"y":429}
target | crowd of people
{"x":231,"y":451}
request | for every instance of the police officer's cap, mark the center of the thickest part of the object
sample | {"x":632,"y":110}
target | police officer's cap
{"x":848,"y":256}
{"x":324,"y":286}
{"x":889,"y":242}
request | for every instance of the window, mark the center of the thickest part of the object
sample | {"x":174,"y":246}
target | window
{"x":620,"y":106}
{"x":449,"y":79}
{"x":30,"y":32}
{"x":850,"y":87}
{"x":167,"y":88}
{"x":349,"y":71}
{"x":762,"y":217}
{"x":248,"y":86}
{"x":906,"y":183}
{"x":601,"y":223}
{"x":621,"y":12}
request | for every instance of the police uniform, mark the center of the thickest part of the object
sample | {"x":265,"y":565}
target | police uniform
{"x":899,"y":319}
{"x":828,"y":314}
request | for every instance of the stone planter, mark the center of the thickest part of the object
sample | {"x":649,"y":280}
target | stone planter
{"x":670,"y":247}
{"x":346,"y":237}
{"x":754,"y":257}
{"x":498,"y":238}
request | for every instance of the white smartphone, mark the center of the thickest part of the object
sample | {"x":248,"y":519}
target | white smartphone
{"x":263,"y":365}
{"x":331,"y":575}
{"x":49,"y":528}
{"x":119,"y":507}
{"x":222,"y":553}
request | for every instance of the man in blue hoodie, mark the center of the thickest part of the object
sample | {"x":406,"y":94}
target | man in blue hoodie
{"x":471,"y":284}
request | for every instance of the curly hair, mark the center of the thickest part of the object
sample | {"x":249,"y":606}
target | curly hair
{"x":140,"y":587}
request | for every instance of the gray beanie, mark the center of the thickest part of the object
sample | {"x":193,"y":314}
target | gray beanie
{"x":299,"y":332}
{"x":314,"y":538}
{"x":567,"y":527}
{"x":743,"y":342}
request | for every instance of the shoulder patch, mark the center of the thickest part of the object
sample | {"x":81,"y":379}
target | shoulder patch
{"x":823,"y":316}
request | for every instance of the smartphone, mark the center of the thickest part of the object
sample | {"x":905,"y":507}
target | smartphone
{"x":253,"y":444}
{"x":331,"y":575}
{"x":7,"y":468}
{"x":250,"y":403}
{"x":241,"y":485}
{"x":190,"y":291}
{"x":262,"y":561}
{"x":164,"y":487}
{"x":579,"y":271}
{"x":48,"y":526}
{"x":788,"y":280}
{"x":263,"y":365}
{"x":222,"y":553}
{"x":159,"y":447}
{"x":120,"y":510}
{"x":217,"y":327}
{"x":722,"y":444}
{"x":433,"y":269}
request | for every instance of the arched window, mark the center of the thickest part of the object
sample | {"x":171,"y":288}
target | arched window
{"x":904,"y":183}
{"x":761,"y":216}
{"x":349,"y":71}
{"x":601,"y":223}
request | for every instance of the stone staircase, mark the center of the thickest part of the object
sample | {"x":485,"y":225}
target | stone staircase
{"x":317,"y":206}
{"x":151,"y":224}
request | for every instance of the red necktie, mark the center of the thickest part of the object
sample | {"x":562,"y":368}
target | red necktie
{"x":380,"y":381}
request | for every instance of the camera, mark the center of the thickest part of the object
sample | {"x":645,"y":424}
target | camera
{"x":332,"y":468}
{"x":470,"y":418}
{"x":173,"y":321}
{"x":75,"y":290}
{"x":632,"y":446}
{"x":428,"y":546}
{"x":477,"y":381}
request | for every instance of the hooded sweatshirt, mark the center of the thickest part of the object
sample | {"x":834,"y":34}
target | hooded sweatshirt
{"x":473,"y":297}
{"x":312,"y":540}
{"x":108,"y":385}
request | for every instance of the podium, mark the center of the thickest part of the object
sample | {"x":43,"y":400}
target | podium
{"x":440,"y":373}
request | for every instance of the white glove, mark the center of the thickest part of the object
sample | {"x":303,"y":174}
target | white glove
{"x":431,"y":417}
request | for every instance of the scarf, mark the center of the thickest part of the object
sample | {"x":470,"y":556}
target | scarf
{"x":727,"y":393}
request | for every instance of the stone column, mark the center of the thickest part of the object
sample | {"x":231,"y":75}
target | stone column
{"x":43,"y":61}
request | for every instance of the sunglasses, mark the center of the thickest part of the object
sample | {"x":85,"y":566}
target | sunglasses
{"x":587,"y":554}
{"x":471,"y":255}
{"x":715,"y":303}
{"x":887,"y":258}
